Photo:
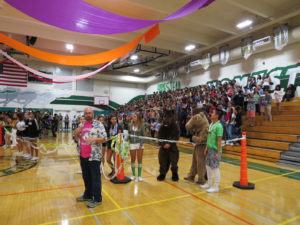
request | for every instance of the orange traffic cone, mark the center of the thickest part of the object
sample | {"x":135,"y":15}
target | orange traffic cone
{"x":243,"y":183}
{"x":121,"y":178}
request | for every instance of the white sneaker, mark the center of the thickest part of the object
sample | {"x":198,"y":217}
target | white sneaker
{"x":212,"y":189}
{"x":206,"y":185}
{"x":4,"y":146}
{"x":140,"y":179}
{"x":34,"y":158}
{"x":12,"y":146}
{"x":27,"y":156}
{"x":133,"y":177}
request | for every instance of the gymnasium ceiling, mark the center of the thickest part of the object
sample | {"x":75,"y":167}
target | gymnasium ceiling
{"x":208,"y":29}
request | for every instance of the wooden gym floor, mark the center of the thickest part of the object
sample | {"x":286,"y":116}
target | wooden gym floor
{"x":45,"y":193}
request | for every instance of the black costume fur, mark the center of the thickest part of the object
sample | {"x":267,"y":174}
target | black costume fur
{"x":169,"y":130}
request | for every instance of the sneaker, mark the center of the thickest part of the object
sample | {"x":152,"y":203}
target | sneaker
{"x":93,"y":204}
{"x":12,"y":146}
{"x":34,"y":158}
{"x":205,"y":186}
{"x":4,"y":146}
{"x":189,"y":179}
{"x":83,"y":199}
{"x":200,"y":183}
{"x":212,"y":189}
{"x":133,"y":177}
{"x":27,"y":156}
{"x":140,"y":179}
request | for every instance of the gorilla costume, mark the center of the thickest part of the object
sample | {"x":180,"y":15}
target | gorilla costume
{"x":168,"y":152}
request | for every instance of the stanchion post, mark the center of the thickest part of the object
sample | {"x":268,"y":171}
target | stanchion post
{"x":243,"y":183}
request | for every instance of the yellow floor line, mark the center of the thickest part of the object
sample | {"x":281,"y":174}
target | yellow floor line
{"x":118,"y":209}
{"x":158,"y":201}
{"x":275,"y":176}
{"x":111,"y":199}
{"x":165,"y":200}
{"x":289,"y":220}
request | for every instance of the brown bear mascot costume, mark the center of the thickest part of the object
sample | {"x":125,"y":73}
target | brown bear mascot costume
{"x":168,"y":151}
{"x":198,"y":124}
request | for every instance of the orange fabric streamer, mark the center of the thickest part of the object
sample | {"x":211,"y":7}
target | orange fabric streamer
{"x":82,"y":60}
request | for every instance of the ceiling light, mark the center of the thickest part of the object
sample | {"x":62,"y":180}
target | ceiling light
{"x":70,"y":47}
{"x":190,"y":47}
{"x":136,"y":70}
{"x":244,"y":24}
{"x":134,"y":57}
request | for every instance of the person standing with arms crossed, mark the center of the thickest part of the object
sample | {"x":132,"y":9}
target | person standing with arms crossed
{"x":91,"y":135}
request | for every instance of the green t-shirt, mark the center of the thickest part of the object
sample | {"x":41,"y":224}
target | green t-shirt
{"x":215,"y":131}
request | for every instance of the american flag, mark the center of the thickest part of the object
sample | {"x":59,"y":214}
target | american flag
{"x":12,"y":75}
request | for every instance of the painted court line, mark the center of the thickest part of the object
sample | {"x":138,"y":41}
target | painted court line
{"x":90,"y":209}
{"x":211,"y":204}
{"x":229,"y":202}
{"x":157,"y":202}
{"x":289,"y":220}
{"x":119,"y":207}
{"x":116,"y":210}
{"x":258,"y":203}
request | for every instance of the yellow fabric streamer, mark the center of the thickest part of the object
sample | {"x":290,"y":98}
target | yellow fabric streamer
{"x":82,"y":60}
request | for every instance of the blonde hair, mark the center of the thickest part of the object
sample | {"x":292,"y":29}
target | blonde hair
{"x":139,"y":120}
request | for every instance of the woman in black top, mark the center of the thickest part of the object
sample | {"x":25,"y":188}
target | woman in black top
{"x":32,"y":135}
{"x":21,"y":126}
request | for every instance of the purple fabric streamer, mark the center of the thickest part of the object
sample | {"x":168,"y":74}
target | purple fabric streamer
{"x":79,"y":16}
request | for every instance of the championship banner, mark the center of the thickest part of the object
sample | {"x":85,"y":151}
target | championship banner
{"x":280,"y":37}
{"x":206,"y":60}
{"x":224,"y":54}
{"x":247,"y":47}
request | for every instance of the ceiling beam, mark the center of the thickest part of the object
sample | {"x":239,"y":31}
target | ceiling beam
{"x":259,"y":8}
{"x":226,"y":40}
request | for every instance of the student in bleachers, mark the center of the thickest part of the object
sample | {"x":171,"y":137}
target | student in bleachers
{"x":268,"y":103}
{"x":256,"y":97}
{"x":289,"y":93}
{"x":266,"y":82}
{"x":278,"y":94}
{"x":230,"y":124}
{"x":251,"y":110}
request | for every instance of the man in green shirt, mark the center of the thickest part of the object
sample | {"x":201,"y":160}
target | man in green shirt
{"x":213,"y":151}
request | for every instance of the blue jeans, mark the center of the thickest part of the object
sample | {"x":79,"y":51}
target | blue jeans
{"x":230,"y":130}
{"x":92,"y":179}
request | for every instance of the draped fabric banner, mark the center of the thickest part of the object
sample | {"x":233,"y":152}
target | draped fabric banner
{"x":60,"y":79}
{"x":82,"y":60}
{"x":79,"y":16}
